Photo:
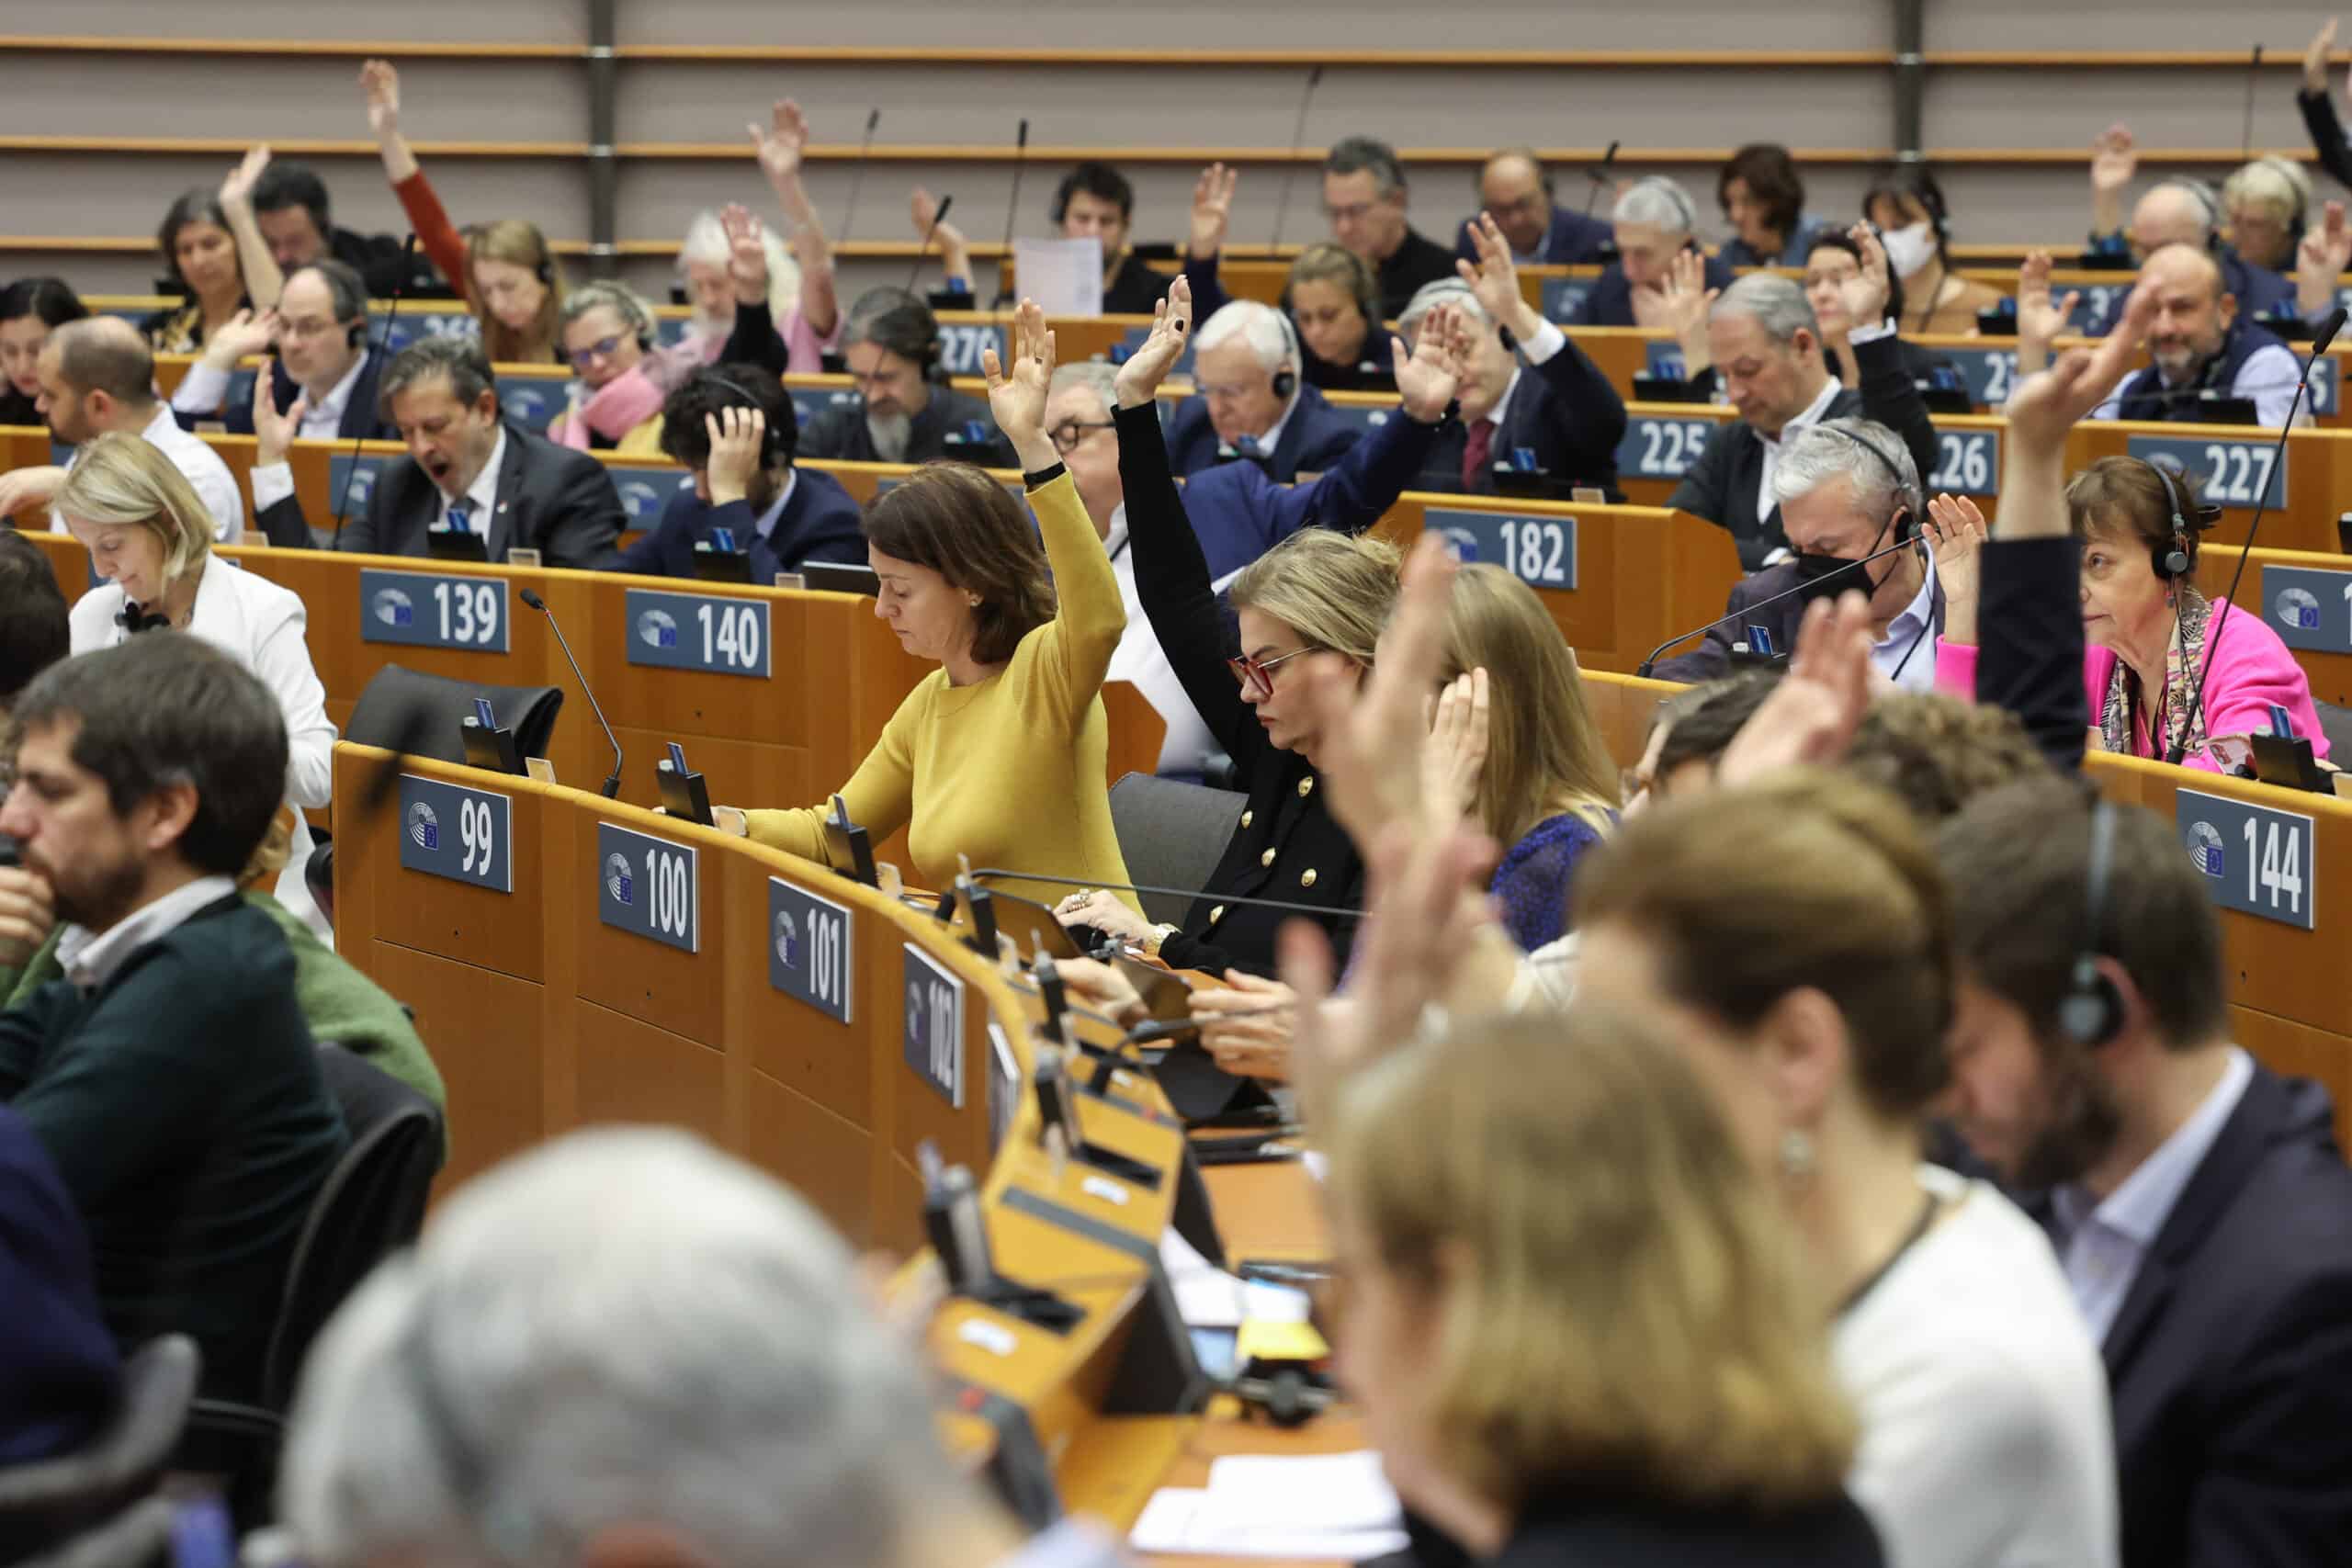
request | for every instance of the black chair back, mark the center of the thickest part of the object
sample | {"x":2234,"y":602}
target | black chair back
{"x":407,"y":710}
{"x":2335,"y":723}
{"x":1171,"y":834}
{"x":45,"y":1503}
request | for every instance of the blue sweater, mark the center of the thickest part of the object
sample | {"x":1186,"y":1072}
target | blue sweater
{"x":59,"y":1375}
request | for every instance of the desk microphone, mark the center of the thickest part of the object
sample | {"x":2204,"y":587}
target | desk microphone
{"x":857,"y":171}
{"x":392,"y":314}
{"x":1012,"y":212}
{"x":2252,"y":74}
{"x":937,"y":220}
{"x":2330,"y":324}
{"x":1297,"y":142}
{"x":1643,"y":673}
{"x":612,"y":786}
{"x":1599,"y":177}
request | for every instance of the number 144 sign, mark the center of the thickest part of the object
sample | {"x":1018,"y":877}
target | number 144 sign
{"x":2256,"y":860}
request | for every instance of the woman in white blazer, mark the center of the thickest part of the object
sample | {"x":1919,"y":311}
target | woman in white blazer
{"x":151,"y":537}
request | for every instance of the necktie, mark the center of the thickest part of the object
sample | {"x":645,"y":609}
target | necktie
{"x":1477,"y":457}
{"x":458,"y":518}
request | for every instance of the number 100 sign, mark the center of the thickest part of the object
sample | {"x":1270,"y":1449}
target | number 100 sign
{"x":648,"y":887}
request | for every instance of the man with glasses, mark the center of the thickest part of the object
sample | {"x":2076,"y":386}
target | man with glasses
{"x":1364,"y":197}
{"x":1515,"y":189}
{"x":1254,"y":405}
{"x":323,"y":359}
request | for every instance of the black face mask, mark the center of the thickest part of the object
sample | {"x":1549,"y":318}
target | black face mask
{"x":1825,"y":577}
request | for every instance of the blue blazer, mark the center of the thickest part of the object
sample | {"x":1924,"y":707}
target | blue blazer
{"x":60,"y":1376}
{"x":1573,"y":240}
{"x":1315,"y":437}
{"x":1610,"y":303}
{"x":1239,"y":514}
{"x":819,"y":522}
{"x":2230,"y":1362}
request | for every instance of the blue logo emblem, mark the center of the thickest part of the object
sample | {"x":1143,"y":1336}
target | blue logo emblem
{"x":526,"y":404}
{"x":2299,"y":609}
{"x":641,"y":501}
{"x":658,"y":629}
{"x":423,"y":826}
{"x":788,"y":947}
{"x":1463,"y":543}
{"x":617,"y":880}
{"x":2205,"y":849}
{"x":394,"y":608}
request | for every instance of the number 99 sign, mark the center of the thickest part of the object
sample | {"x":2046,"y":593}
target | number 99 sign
{"x":456,"y":832}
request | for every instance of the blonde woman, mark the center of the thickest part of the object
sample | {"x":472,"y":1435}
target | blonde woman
{"x":1575,"y":1327}
{"x":151,"y":539}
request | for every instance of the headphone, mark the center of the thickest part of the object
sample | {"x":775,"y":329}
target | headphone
{"x":622,"y":301}
{"x":2091,"y":1011}
{"x":347,"y":293}
{"x":1287,"y":379}
{"x":2207,"y":203}
{"x":1360,"y":284}
{"x":1676,"y":195}
{"x":1909,"y":495}
{"x":2173,"y":559}
{"x":772,"y":451}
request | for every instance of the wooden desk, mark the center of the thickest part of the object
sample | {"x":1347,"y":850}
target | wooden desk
{"x":2270,"y":575}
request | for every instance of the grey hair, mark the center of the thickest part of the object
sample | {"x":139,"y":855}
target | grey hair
{"x":1657,"y":201}
{"x":1258,"y":324}
{"x":1430,"y":295}
{"x":461,"y":359}
{"x":1883,"y":477}
{"x":706,"y":244}
{"x":1096,"y":377}
{"x":621,"y":1327}
{"x":620,"y":299}
{"x":1778,"y":304}
{"x":1353,"y":154}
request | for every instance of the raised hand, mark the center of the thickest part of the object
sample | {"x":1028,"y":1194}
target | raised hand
{"x":1494,"y":279}
{"x":274,"y":432}
{"x":1428,"y":378}
{"x":737,"y":435}
{"x":237,"y":190}
{"x":781,"y":141}
{"x":2316,"y":58}
{"x":747,"y":252}
{"x":2114,"y":160}
{"x":1374,"y":739}
{"x":27,"y":914}
{"x":1172,"y":326}
{"x":2319,"y":262}
{"x":1212,"y":211}
{"x":379,"y":83}
{"x":1866,"y":293}
{"x":1687,"y":295}
{"x":249,"y":332}
{"x":1811,"y":715}
{"x":1017,"y":397}
{"x":1955,"y":532}
{"x":2045,"y":405}
{"x":2039,"y":319}
{"x":1456,"y":754}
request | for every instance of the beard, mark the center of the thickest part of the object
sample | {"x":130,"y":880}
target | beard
{"x":890,"y":433}
{"x":94,"y":895}
{"x":2082,"y":1122}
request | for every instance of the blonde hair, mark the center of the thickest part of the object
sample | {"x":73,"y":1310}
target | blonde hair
{"x":1564,"y":1180}
{"x":269,"y":856}
{"x":2279,"y":187}
{"x":1543,"y":748}
{"x":1334,"y":589}
{"x":124,"y":479}
{"x":517,"y":243}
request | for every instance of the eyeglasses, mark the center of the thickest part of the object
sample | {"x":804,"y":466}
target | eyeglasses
{"x":308,"y":328}
{"x":1257,"y":676}
{"x":603,"y":348}
{"x":1070,"y":433}
{"x":1353,"y":212}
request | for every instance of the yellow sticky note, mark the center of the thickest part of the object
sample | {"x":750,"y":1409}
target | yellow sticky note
{"x":1260,"y":1340}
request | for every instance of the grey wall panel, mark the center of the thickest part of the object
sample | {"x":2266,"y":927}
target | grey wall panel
{"x":2065,"y":108}
{"x":267,"y":99}
{"x":502,"y":21}
{"x":2282,"y":27}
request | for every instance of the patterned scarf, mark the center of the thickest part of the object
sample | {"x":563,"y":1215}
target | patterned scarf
{"x":2121,"y":717}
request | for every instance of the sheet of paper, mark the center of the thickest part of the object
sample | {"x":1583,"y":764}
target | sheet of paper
{"x":1319,"y":1505}
{"x":1207,"y":1296}
{"x":1065,"y":277}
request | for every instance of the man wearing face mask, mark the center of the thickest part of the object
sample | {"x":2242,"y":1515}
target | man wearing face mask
{"x":1850,"y":499}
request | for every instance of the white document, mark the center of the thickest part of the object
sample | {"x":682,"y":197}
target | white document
{"x":1315,"y":1506}
{"x":1208,"y":1297}
{"x":1065,"y":277}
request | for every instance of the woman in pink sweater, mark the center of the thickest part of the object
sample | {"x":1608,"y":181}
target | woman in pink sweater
{"x":2146,"y":628}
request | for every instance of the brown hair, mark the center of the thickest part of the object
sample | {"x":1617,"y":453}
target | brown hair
{"x":1543,"y":749}
{"x":2020,"y":864}
{"x":1689,"y":1367}
{"x":1937,"y":753}
{"x":517,"y":243}
{"x":958,"y":522}
{"x":2125,"y":497}
{"x":1324,"y":262}
{"x":1805,"y":880}
{"x":1771,"y":176}
{"x":1334,"y":589}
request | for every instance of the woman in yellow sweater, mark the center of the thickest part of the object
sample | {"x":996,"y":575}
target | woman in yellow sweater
{"x":997,"y":754}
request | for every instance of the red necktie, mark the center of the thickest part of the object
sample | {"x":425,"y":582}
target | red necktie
{"x":1475,"y":454}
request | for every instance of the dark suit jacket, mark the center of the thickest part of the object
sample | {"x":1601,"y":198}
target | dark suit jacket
{"x":1135,"y":288}
{"x":841,"y":434}
{"x":60,"y":1375}
{"x":1606,"y":1529}
{"x":1610,"y":303}
{"x":1315,"y":437}
{"x":1721,"y":485}
{"x":1238,"y":514}
{"x":1573,"y":240}
{"x":2231,"y":1359}
{"x":550,"y":499}
{"x":1419,"y":260}
{"x":386,"y":271}
{"x":362,"y":419}
{"x":2030,"y":634}
{"x":819,"y":522}
{"x":1564,"y":411}
{"x":1712,"y":657}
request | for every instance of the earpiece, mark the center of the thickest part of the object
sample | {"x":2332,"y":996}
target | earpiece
{"x":2091,"y":1011}
{"x":1287,"y":379}
{"x":1909,"y":501}
{"x":2174,"y":559}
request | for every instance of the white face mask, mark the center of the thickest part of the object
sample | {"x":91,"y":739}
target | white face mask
{"x":1908,"y":250}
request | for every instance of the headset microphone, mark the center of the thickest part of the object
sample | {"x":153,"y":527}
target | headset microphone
{"x":1297,"y":142}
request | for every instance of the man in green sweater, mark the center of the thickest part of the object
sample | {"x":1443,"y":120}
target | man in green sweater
{"x":169,"y":1072}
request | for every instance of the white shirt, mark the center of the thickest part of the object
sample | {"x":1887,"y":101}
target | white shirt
{"x":214,"y":485}
{"x":1139,"y":661}
{"x":481,"y":496}
{"x":1987,"y":1441}
{"x":2266,"y":380}
{"x":1273,"y":435}
{"x":2104,"y":1246}
{"x":261,"y":626}
{"x":1815,"y":413}
{"x":90,"y":959}
{"x":1902,"y":655}
{"x":203,"y":388}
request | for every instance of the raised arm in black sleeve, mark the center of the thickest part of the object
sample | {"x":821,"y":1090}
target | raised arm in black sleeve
{"x":1172,"y":581}
{"x":1587,"y":414}
{"x":2030,"y":641}
{"x":754,"y":340}
{"x":1891,"y":397}
{"x":2327,"y":134}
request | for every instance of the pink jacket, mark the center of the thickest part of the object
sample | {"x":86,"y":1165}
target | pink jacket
{"x":2252,"y":670}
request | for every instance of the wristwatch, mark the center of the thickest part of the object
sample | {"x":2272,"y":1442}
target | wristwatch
{"x":1156,"y":936}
